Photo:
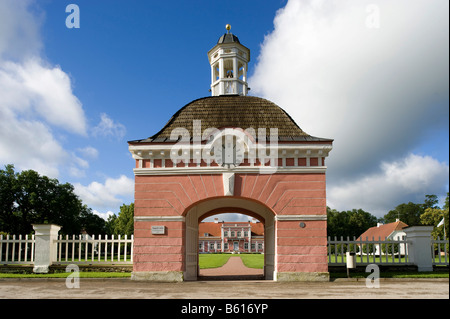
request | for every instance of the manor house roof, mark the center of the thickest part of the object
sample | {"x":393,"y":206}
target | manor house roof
{"x":214,"y":229}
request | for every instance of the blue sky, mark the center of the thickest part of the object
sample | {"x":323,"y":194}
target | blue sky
{"x":70,"y":99}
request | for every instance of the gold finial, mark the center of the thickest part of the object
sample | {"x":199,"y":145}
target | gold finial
{"x":228,"y":27}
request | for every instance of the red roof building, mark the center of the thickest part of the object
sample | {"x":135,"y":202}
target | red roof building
{"x":242,"y":237}
{"x":385,"y":231}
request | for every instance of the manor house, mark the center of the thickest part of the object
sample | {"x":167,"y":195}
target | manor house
{"x":242,"y":237}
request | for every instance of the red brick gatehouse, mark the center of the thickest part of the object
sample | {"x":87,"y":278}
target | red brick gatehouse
{"x":230,"y":153}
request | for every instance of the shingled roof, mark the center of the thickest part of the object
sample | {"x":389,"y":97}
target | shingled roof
{"x":233,"y":111}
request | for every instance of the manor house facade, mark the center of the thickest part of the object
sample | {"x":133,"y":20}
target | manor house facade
{"x":242,"y":237}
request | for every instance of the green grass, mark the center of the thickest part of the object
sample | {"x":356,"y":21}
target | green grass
{"x":393,"y":274}
{"x":253,"y":260}
{"x":212,"y":260}
{"x":218,"y":260}
{"x":363,"y":259}
{"x":65,"y":274}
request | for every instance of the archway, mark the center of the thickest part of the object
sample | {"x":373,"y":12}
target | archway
{"x":209,"y":207}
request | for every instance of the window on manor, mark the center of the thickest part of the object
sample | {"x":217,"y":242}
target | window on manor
{"x":232,"y":234}
{"x":253,"y":246}
{"x":245,"y":233}
{"x":219,"y":245}
{"x":225,"y":246}
{"x":239,"y":234}
{"x":225,"y":233}
{"x":245,"y":245}
{"x":205,"y":234}
{"x":259,"y":246}
{"x":211,"y":246}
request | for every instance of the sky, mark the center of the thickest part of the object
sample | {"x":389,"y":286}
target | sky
{"x":372,"y":75}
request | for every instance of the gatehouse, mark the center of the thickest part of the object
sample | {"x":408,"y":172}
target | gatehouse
{"x":230,"y":153}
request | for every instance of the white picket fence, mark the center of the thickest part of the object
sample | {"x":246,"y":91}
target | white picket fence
{"x":16,"y":249}
{"x":439,"y":249}
{"x":75,"y":249}
{"x":85,"y":249}
{"x":381,"y":251}
{"x":375,"y":251}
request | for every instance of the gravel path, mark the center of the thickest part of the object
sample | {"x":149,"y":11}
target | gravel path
{"x":233,"y":268}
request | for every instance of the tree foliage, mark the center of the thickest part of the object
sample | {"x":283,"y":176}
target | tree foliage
{"x":354,"y":222}
{"x":408,"y":213}
{"x":349,"y":223}
{"x":28,"y":198}
{"x":433,"y":215}
{"x":123,"y":224}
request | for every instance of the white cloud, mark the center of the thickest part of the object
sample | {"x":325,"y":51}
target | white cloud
{"x":29,"y":144}
{"x":89,"y":152}
{"x":111,"y":193}
{"x":107,"y":127}
{"x":37,"y":104}
{"x":398,"y":182}
{"x":19,"y":30}
{"x":375,"y":91}
{"x":105,"y":216}
{"x":32,"y":89}
{"x":378,"y":92}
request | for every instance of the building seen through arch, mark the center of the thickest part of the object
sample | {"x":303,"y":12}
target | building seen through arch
{"x":231,"y":237}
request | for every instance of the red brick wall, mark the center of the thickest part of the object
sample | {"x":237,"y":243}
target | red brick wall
{"x":298,"y":249}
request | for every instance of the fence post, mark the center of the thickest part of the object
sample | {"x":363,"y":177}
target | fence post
{"x":419,"y":247}
{"x":45,"y":250}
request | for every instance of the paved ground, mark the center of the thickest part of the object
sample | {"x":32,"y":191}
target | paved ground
{"x":28,"y":288}
{"x":125,"y":288}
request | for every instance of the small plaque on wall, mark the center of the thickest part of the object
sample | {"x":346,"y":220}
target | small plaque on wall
{"x":158,"y":230}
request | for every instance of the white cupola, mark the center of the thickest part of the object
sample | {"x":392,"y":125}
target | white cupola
{"x":229,"y":65}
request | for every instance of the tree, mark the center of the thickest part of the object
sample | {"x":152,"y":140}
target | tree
{"x":431,"y":201}
{"x":9,"y":219}
{"x":446,"y":203}
{"x":349,"y":223}
{"x":408,"y":213}
{"x":28,"y":198}
{"x":124,"y":223}
{"x":91,"y":223}
{"x":432,"y":217}
{"x":110,"y":224}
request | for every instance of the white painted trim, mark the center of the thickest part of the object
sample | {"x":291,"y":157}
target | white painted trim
{"x":221,"y":170}
{"x":280,"y":146}
{"x":300,"y":217}
{"x":159,"y":218}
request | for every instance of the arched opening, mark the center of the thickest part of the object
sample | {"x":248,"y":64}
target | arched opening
{"x":206,"y":208}
{"x":231,"y":247}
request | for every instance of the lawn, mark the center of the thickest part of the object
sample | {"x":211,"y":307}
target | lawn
{"x":367,"y":259}
{"x":393,"y":274}
{"x":218,"y":260}
{"x":212,"y":260}
{"x":253,"y":260}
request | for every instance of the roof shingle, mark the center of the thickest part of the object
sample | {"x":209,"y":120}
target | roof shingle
{"x":233,"y":111}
